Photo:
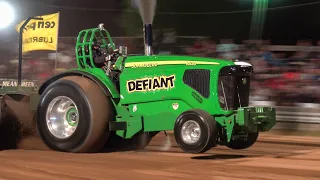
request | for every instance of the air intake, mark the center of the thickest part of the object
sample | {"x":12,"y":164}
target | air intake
{"x":199,"y":80}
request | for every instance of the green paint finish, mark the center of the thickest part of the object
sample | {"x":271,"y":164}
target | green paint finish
{"x":261,"y":118}
{"x":179,"y":91}
{"x":229,"y":127}
{"x":159,"y":115}
{"x":242,"y":116}
{"x":134,"y":121}
{"x":84,"y":44}
{"x":250,"y":118}
{"x":178,"y":59}
{"x":134,"y":125}
{"x":228,"y":123}
{"x":119,"y":65}
{"x":256,"y":118}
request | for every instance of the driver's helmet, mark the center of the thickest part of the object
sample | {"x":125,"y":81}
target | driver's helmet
{"x":95,"y":43}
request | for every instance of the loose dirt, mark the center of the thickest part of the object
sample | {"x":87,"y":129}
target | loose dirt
{"x":272,"y":157}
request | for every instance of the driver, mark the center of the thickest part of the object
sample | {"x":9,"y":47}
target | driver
{"x":99,"y":57}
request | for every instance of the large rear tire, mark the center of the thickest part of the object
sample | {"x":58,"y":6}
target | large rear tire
{"x":73,"y":115}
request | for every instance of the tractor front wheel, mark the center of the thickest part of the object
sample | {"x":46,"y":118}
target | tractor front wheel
{"x":195,"y":131}
{"x":73,"y":115}
{"x":243,"y":143}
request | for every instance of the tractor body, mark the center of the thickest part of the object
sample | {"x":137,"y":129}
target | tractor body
{"x":149,"y":94}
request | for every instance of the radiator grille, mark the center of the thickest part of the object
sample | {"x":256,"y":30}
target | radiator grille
{"x":199,"y":80}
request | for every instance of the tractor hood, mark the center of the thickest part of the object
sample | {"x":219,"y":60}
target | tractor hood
{"x":167,"y":60}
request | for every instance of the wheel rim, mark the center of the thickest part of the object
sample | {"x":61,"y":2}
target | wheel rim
{"x":190,"y":132}
{"x":62,"y":117}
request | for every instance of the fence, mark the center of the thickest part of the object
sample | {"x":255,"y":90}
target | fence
{"x":298,"y":119}
{"x":303,"y":117}
{"x":298,"y":115}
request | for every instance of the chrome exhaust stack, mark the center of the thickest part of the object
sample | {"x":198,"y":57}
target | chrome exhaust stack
{"x":147,"y":30}
{"x":147,"y":11}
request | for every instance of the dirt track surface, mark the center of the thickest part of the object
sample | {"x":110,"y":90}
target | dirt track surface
{"x":272,"y":157}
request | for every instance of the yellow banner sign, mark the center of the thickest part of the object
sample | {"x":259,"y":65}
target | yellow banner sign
{"x":41,"y":34}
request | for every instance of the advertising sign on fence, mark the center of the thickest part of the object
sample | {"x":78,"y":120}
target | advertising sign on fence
{"x":41,"y":34}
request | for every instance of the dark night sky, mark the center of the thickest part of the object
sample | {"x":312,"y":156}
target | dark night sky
{"x":71,"y":21}
{"x":282,"y":26}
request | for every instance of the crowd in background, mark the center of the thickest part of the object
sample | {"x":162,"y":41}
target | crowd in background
{"x":284,"y":77}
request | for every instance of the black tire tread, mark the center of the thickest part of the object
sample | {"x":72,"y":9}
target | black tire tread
{"x":101,"y":109}
{"x":213,"y":131}
{"x":100,"y":113}
{"x":210,"y":124}
{"x":243,"y":144}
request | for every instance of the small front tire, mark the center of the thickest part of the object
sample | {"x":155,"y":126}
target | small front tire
{"x":195,"y":131}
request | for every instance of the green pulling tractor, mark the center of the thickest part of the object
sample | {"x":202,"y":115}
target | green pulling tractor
{"x":112,"y":97}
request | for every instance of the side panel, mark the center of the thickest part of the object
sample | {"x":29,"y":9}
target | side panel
{"x":141,"y":85}
{"x":148,"y":117}
{"x":145,"y":85}
{"x":160,"y":115}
